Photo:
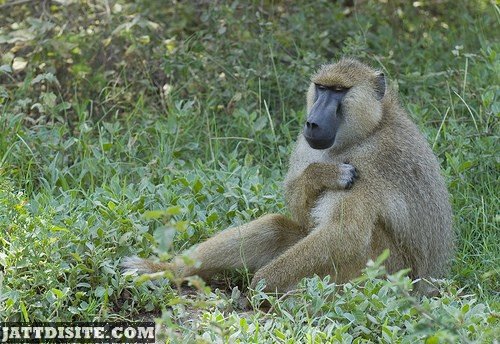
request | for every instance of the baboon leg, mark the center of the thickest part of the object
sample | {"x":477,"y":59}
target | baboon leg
{"x":249,"y":246}
{"x":339,"y":248}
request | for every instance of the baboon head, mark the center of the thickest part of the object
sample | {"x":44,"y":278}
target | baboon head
{"x":343,"y":104}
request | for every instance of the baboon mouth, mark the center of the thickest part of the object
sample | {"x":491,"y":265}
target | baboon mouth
{"x":319,"y":143}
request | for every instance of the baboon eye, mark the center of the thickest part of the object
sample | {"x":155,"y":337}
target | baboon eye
{"x":334,"y":88}
{"x":338,"y":88}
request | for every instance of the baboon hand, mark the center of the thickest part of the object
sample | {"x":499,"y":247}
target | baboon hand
{"x":321,"y":176}
{"x":347,"y":175}
{"x":270,"y":284}
{"x":254,"y":282}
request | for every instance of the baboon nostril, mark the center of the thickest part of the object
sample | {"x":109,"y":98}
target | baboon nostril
{"x":311,"y":125}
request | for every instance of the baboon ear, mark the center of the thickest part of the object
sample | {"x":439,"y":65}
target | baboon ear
{"x":380,"y":85}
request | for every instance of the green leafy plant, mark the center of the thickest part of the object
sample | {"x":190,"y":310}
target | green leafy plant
{"x":140,"y":128}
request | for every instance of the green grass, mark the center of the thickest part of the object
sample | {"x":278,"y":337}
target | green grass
{"x":192,"y":109}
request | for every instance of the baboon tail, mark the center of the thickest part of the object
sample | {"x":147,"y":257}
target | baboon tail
{"x":143,"y":266}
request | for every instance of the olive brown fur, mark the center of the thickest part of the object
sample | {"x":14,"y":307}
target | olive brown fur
{"x":373,"y":184}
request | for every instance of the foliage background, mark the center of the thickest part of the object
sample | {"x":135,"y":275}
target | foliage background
{"x":143,"y":127}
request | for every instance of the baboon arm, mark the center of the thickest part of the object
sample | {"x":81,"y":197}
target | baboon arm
{"x":340,"y":252}
{"x":318,"y":177}
{"x":303,"y":191}
{"x":249,"y":246}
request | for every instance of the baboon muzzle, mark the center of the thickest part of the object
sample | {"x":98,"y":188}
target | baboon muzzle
{"x":323,"y":120}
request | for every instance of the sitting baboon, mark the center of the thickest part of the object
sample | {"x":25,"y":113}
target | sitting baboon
{"x":361,"y":179}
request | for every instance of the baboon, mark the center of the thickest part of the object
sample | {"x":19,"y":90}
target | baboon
{"x":361,"y":179}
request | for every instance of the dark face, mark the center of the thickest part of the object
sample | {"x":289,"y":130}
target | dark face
{"x":324,"y":119}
